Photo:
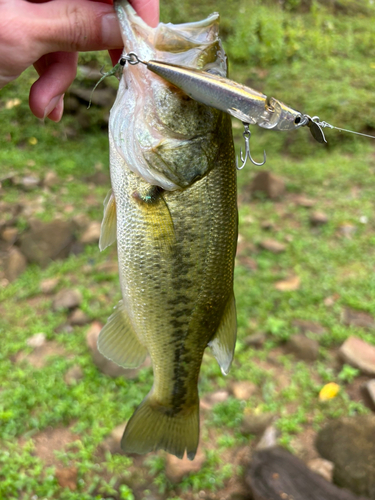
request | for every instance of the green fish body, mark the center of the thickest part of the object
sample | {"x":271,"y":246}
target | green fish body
{"x":173,"y":210}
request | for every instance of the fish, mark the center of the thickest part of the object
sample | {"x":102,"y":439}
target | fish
{"x":173,"y":211}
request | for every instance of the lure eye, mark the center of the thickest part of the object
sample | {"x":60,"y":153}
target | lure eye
{"x":297,"y":120}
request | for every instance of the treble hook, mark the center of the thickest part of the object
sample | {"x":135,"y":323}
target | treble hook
{"x":246,"y":136}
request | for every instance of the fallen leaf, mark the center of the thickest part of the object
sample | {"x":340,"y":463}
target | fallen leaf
{"x":329,"y":391}
{"x":288,"y":285}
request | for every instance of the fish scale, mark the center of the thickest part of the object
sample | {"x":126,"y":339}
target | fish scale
{"x":174,"y":196}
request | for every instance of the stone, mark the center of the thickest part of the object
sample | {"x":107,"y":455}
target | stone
{"x":176,"y":469}
{"x":349,"y":443}
{"x":288,"y":285}
{"x":360,"y":354}
{"x":267,"y":225}
{"x":275,"y":474}
{"x":49,"y":285}
{"x":99,"y":178}
{"x":105,"y":365}
{"x":213,"y":398}
{"x":268,"y":183}
{"x":67,"y":477}
{"x":67,"y":299}
{"x":44,"y":242}
{"x":256,"y":423}
{"x":51,"y":179}
{"x":30,"y":182}
{"x":91,"y":234}
{"x":81,"y":221}
{"x":352,"y":317}
{"x":304,"y":202}
{"x":9,"y":235}
{"x":73,"y":375}
{"x":369,"y":388}
{"x":272,"y":246}
{"x":112,"y":443}
{"x":318,"y":218}
{"x":306,"y":326}
{"x":14,"y":264}
{"x":268,"y":439}
{"x":108,"y":267}
{"x":39,"y":357}
{"x":78,"y":317}
{"x":303,"y":347}
{"x":36,"y":340}
{"x":322,"y":467}
{"x":255,"y":340}
{"x":243,"y":390}
{"x":347,"y":230}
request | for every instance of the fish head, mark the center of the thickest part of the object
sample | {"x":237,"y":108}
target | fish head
{"x":163,"y":135}
{"x":279,"y":116}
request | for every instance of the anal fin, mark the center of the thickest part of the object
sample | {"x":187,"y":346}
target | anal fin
{"x":118,"y":342}
{"x":224,"y":340}
{"x":109,"y":226}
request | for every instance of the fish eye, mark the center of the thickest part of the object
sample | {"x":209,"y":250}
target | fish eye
{"x":297,"y":120}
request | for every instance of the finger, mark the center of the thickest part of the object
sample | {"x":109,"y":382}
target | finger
{"x":57,"y":71}
{"x":73,"y":25}
{"x":148,"y":10}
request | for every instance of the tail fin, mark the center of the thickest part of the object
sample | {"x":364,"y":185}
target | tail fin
{"x":151,"y":428}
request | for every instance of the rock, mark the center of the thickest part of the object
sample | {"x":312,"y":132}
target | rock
{"x":67,"y":477}
{"x":112,"y":443}
{"x":213,"y":398}
{"x":14,"y":265}
{"x":30,"y":182}
{"x":358,"y":353}
{"x":322,"y":467}
{"x":108,"y":267}
{"x":91,"y":234}
{"x":9,"y":235}
{"x":347,"y":230}
{"x":272,"y":246}
{"x":268,"y":439}
{"x":349,"y":443}
{"x":36,"y":340}
{"x":99,"y":178}
{"x":318,"y":219}
{"x":243,"y":389}
{"x":254,"y":423}
{"x":105,"y":365}
{"x":73,"y":375}
{"x":268,"y":183}
{"x":44,"y":242}
{"x":67,"y":299}
{"x":267,"y":225}
{"x":78,"y":317}
{"x":49,"y":285}
{"x":255,"y":340}
{"x":176,"y":469}
{"x":275,"y":474}
{"x":38,"y":358}
{"x":306,"y":326}
{"x":81,"y":221}
{"x":352,"y":317}
{"x":305,"y":202}
{"x":51,"y":179}
{"x":289,"y":285}
{"x":369,"y":388}
{"x":103,"y":97}
{"x":303,"y":347}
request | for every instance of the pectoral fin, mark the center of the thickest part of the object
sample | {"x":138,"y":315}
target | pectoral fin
{"x":224,"y":341}
{"x":118,"y":342}
{"x":109,"y":227}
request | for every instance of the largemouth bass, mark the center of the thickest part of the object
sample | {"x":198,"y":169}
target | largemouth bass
{"x":173,"y":209}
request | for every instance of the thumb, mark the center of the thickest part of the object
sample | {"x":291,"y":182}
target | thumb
{"x":73,"y":25}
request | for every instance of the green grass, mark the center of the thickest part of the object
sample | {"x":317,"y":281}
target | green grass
{"x":318,"y":60}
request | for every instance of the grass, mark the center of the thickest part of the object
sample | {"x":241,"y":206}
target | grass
{"x":319,"y":60}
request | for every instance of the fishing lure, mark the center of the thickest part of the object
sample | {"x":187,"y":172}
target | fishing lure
{"x":244,"y":103}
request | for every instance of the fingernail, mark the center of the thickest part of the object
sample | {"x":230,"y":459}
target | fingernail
{"x":111,"y":33}
{"x":52,"y":105}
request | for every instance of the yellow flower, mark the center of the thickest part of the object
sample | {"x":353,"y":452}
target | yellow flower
{"x":329,"y":391}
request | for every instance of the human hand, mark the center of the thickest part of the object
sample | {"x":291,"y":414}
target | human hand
{"x":49,"y":35}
